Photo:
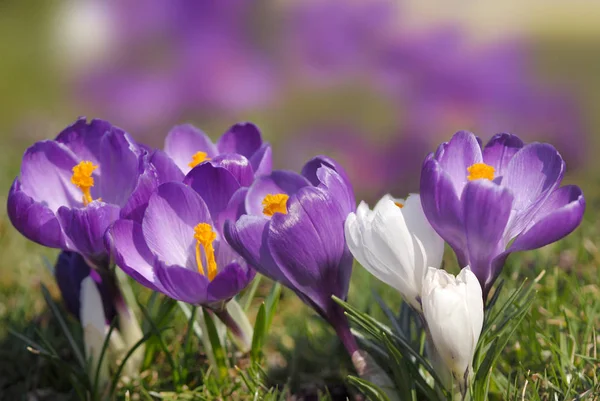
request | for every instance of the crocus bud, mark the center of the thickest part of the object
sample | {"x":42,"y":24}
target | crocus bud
{"x":453,"y":310}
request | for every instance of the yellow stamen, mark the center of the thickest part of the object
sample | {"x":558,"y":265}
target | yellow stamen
{"x":82,"y":178}
{"x":205,"y":237}
{"x":400,"y":205}
{"x":480,"y":171}
{"x":275,"y":204}
{"x":198,"y":158}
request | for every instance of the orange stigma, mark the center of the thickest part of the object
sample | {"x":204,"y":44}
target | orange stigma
{"x":480,"y":171}
{"x":205,"y":237}
{"x":275,"y":204}
{"x":399,"y":204}
{"x":82,"y":178}
{"x":198,"y":158}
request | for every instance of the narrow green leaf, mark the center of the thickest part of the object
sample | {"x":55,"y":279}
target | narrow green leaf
{"x":371,"y":391}
{"x":259,"y":334}
{"x":271,"y":304}
{"x":249,"y":296}
{"x":215,"y":342}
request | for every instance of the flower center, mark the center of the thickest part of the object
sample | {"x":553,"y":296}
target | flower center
{"x":399,"y":204}
{"x":480,"y":171}
{"x":82,"y":178}
{"x":205,"y":237}
{"x":275,"y":204}
{"x":198,"y":158}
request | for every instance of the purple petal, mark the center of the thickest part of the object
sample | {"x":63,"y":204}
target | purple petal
{"x":278,"y":182}
{"x":69,"y":271}
{"x":339,"y":188}
{"x":312,"y":166}
{"x":248,"y":237}
{"x":262,"y":160}
{"x":486,"y":210}
{"x":46,"y":173}
{"x":456,"y":156}
{"x":235,"y":208}
{"x":168,"y":225}
{"x":127,"y":246}
{"x":86,"y":227}
{"x":237,"y":165}
{"x":443,"y":208}
{"x":216,"y":186}
{"x":500,"y":150}
{"x":183,"y":141}
{"x":558,"y":217}
{"x":532,"y":175}
{"x":137,"y":202}
{"x":118,"y":168}
{"x":182,"y":284}
{"x":229,"y":282}
{"x":308,"y":245}
{"x":34,"y":220}
{"x":165,"y":167}
{"x":242,"y":138}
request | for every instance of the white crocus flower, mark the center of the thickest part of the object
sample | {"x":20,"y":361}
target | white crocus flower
{"x":453,"y":310}
{"x":395,"y":243}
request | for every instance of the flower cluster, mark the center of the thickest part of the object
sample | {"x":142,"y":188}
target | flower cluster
{"x":196,"y":221}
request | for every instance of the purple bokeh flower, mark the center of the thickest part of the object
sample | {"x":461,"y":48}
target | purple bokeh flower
{"x":72,"y":188}
{"x":487,"y":203}
{"x":293,"y":232}
{"x":178,"y":248}
{"x":240,"y":149}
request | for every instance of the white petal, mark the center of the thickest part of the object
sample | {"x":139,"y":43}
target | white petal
{"x":419,"y":226}
{"x":94,"y":326}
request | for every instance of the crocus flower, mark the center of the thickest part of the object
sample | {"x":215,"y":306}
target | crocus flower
{"x":293,"y":232}
{"x":482,"y":200}
{"x":188,"y":147}
{"x":178,"y":248}
{"x":94,"y":298}
{"x":453,"y":310}
{"x":72,"y":188}
{"x":395,"y":243}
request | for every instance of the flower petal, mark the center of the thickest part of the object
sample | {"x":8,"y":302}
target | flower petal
{"x":216,"y":186}
{"x":33,"y":219}
{"x":86,"y":227}
{"x":500,"y":150}
{"x":137,"y":202}
{"x":339,"y":188}
{"x":312,"y":166}
{"x":125,"y":240}
{"x":46,"y":173}
{"x":442,"y":207}
{"x":278,"y":182}
{"x":182,"y":284}
{"x":168,"y":225}
{"x":486,"y":210}
{"x":262,"y":160}
{"x":242,"y":138}
{"x":84,"y":139}
{"x":456,"y":156}
{"x":237,"y":165}
{"x":166,"y":168}
{"x":183,"y":141}
{"x":229,"y":282}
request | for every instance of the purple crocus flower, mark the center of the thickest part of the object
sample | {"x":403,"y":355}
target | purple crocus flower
{"x":482,"y":200}
{"x":72,"y":188}
{"x":240,"y":149}
{"x":293,"y":232}
{"x":178,"y":247}
{"x":70,"y":271}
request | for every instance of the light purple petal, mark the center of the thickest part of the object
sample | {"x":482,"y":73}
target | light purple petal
{"x":235,"y":208}
{"x":308,"y":245}
{"x":558,"y":217}
{"x":333,"y":182}
{"x":182,"y":284}
{"x":125,"y":241}
{"x":183,"y":141}
{"x":237,"y":165}
{"x":262,"y":160}
{"x":137,"y":202}
{"x":242,"y":138}
{"x":165,"y":167}
{"x":309,"y":170}
{"x":168,"y":225}
{"x":86,"y":227}
{"x":229,"y":282}
{"x":443,"y":208}
{"x":216,"y":186}
{"x":278,"y":182}
{"x":46,"y":173}
{"x":486,"y":210}
{"x":118,"y":168}
{"x":500,"y":150}
{"x":248,"y":237}
{"x":34,"y":220}
{"x":84,"y":139}
{"x":456,"y":156}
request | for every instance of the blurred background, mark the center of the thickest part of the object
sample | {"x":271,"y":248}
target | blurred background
{"x":376,"y":84}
